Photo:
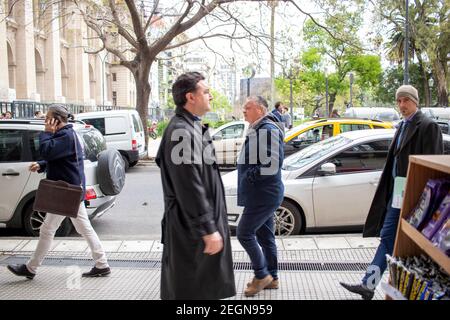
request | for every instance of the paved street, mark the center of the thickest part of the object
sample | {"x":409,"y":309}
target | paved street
{"x":138,"y":210}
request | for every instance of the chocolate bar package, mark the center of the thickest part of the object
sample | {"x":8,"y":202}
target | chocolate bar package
{"x":438,"y":218}
{"x":442,"y":237}
{"x":435,"y":190}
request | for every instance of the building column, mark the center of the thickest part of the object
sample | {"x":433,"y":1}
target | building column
{"x":78,"y":68}
{"x":26,"y":66}
{"x":4,"y":79}
{"x":53,"y":85}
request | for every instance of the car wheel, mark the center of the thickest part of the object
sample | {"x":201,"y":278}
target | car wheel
{"x":32,"y":222}
{"x":288,"y":219}
{"x":132,"y":164}
{"x":111,"y":172}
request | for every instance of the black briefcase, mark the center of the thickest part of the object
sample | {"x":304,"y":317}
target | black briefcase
{"x":58,"y":197}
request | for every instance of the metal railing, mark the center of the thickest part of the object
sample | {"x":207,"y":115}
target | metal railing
{"x":26,"y":109}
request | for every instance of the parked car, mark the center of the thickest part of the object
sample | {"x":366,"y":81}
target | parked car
{"x":329,"y":184}
{"x":228,"y":140}
{"x":445,"y":126}
{"x":19,"y":146}
{"x":311,"y":132}
{"x":122,"y":130}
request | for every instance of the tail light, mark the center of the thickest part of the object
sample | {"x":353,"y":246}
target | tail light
{"x":134,"y":144}
{"x":90,"y":194}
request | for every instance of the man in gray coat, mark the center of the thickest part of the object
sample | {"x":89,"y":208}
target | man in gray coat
{"x":416,"y":134}
{"x":197,"y":257}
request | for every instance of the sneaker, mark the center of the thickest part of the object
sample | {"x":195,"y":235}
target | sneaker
{"x":273,"y":285}
{"x":257,"y":285}
{"x":96,"y":272}
{"x":366,"y":293}
{"x":21,"y":270}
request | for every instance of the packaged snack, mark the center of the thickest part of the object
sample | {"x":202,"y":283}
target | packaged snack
{"x":434,"y":191}
{"x":438,"y":218}
{"x":407,"y":284}
{"x":442,"y":238}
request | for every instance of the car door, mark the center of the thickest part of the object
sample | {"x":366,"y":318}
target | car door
{"x":344,"y":198}
{"x":14,"y":163}
{"x":228,"y":142}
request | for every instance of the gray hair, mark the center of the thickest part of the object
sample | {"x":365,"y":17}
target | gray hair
{"x":60,"y":112}
{"x":260,"y":101}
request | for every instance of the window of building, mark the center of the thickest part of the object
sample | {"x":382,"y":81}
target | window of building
{"x":114,"y":76}
{"x":114,"y":97}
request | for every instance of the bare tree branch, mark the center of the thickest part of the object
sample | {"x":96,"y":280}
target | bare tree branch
{"x":137,"y":24}
{"x":122,"y":31}
{"x":152,"y":14}
{"x":324,"y":27}
{"x":221,"y":35}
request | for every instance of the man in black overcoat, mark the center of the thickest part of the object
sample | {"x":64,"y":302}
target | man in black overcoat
{"x":416,"y":134}
{"x":197,"y":257}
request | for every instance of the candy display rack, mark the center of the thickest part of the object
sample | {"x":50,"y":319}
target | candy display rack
{"x":409,"y":241}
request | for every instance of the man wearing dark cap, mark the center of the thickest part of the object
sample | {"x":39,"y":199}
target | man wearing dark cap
{"x":416,"y":134}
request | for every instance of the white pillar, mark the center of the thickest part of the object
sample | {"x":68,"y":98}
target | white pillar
{"x":78,"y":64}
{"x":4,"y":79}
{"x":53,"y":85}
{"x":26,"y":66}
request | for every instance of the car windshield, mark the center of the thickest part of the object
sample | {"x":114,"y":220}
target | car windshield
{"x":313,"y":152}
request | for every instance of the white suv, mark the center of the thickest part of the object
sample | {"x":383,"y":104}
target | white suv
{"x":19,"y":146}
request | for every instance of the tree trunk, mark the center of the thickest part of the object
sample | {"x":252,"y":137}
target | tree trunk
{"x":331,"y":103}
{"x":143,"y":90}
{"x":426,"y":88}
{"x":442,"y":93}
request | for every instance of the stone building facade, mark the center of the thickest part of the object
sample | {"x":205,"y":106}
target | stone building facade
{"x":42,"y":47}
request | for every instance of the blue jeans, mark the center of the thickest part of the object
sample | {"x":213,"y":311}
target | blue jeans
{"x":256,"y":234}
{"x":386,"y":246}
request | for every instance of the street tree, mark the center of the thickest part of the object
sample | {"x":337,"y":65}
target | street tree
{"x":429,"y":39}
{"x":136,"y":35}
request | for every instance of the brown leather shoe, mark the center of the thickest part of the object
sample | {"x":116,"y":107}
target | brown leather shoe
{"x":257,"y":285}
{"x":273,"y":285}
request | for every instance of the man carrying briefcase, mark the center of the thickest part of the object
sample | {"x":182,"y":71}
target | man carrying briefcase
{"x":58,"y":147}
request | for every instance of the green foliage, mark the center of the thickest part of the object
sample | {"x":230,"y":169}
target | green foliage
{"x":162,"y":125}
{"x":220,"y":103}
{"x":392,"y":78}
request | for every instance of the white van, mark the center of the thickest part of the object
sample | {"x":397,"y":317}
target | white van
{"x":372,"y":113}
{"x":122,"y":130}
{"x":437,"y":113}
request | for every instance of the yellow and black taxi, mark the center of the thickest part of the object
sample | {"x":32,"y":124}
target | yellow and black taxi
{"x":311,"y":132}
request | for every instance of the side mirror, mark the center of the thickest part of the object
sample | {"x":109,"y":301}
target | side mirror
{"x":217,"y":138}
{"x":327,"y":169}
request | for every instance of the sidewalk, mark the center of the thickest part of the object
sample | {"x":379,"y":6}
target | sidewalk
{"x":310,"y":269}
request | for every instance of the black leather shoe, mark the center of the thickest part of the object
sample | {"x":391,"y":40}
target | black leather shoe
{"x":21,"y":270}
{"x":96,"y":272}
{"x":360,"y":289}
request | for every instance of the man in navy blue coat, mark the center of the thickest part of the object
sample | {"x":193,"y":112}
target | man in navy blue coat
{"x":260,"y":192}
{"x":62,"y":160}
